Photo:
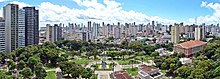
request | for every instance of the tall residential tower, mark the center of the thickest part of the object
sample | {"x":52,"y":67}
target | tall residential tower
{"x":10,"y":12}
{"x":175,"y":33}
{"x":31,"y":26}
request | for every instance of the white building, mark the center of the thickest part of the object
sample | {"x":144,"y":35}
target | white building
{"x":10,"y":12}
{"x":175,"y":33}
{"x":149,"y":72}
{"x":197,"y":33}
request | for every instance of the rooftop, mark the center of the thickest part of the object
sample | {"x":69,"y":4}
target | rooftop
{"x":121,"y":75}
{"x":191,"y":44}
{"x":147,"y":68}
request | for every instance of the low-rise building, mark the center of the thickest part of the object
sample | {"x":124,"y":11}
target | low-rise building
{"x":149,"y":72}
{"x":121,"y":75}
{"x":189,"y":47}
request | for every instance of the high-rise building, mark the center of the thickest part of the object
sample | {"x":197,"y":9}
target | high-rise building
{"x":181,"y":28}
{"x":89,"y":26}
{"x":10,"y":12}
{"x":21,"y":28}
{"x":197,"y":33}
{"x":153,"y":26}
{"x":95,"y":30}
{"x":117,"y":31}
{"x":2,"y":35}
{"x":200,"y":32}
{"x":203,"y":31}
{"x":42,"y":35}
{"x":31,"y":25}
{"x":175,"y":33}
{"x":53,"y":33}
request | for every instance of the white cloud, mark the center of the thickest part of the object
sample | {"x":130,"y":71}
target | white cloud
{"x":21,"y":4}
{"x":3,"y":0}
{"x":110,"y":11}
{"x":1,"y":13}
{"x":209,"y":19}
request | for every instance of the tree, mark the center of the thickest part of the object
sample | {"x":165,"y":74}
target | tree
{"x":111,"y":38}
{"x":172,"y":68}
{"x":216,"y":72}
{"x":76,"y":71}
{"x":136,"y":45}
{"x":123,"y":53}
{"x":95,"y":53}
{"x":3,"y":75}
{"x":40,"y":72}
{"x":63,"y":57}
{"x":26,"y":73}
{"x":70,"y":68}
{"x":197,"y":74}
{"x":183,"y":71}
{"x":32,"y":61}
{"x":154,"y":54}
{"x":67,"y":67}
{"x":111,"y":54}
{"x":170,"y":46}
{"x":87,"y":73}
{"x":21,"y":65}
{"x":165,"y":65}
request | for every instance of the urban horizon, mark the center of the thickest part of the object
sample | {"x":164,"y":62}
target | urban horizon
{"x":83,"y":11}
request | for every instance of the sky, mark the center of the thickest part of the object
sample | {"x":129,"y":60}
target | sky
{"x":112,"y":11}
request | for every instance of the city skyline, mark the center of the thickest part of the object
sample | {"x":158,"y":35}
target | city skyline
{"x":111,"y":11}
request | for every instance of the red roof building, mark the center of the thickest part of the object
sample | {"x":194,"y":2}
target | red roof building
{"x":189,"y":47}
{"x":121,"y":75}
{"x":149,"y":72}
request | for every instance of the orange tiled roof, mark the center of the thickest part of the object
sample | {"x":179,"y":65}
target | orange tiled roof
{"x":191,"y":44}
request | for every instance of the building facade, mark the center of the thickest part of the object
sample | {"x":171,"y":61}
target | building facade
{"x":175,"y":33}
{"x":53,"y":33}
{"x":149,"y":72}
{"x":189,"y":47}
{"x":197,"y":33}
{"x":31,"y":25}
{"x":21,"y":28}
{"x":10,"y":13}
{"x":2,"y":35}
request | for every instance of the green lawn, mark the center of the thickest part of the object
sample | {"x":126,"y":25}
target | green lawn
{"x":51,"y":75}
{"x":50,"y":68}
{"x":145,"y":58}
{"x":125,"y":62}
{"x":99,"y":67}
{"x":132,"y":71}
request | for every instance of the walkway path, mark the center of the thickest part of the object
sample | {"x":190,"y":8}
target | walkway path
{"x":103,"y":74}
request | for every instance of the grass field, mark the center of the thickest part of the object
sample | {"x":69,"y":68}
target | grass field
{"x":132,"y":71}
{"x":51,"y":75}
{"x":82,"y":61}
{"x":125,"y":62}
